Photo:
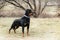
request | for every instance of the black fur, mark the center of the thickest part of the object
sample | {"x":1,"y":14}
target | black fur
{"x":23,"y":22}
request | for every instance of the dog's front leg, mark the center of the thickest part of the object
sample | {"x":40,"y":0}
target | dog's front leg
{"x":28,"y":30}
{"x":23,"y":31}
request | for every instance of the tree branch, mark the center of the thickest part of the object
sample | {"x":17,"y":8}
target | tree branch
{"x":2,"y":5}
{"x":15,"y":5}
{"x":28,"y":4}
{"x":34,"y":3}
{"x":44,"y":6}
{"x":19,"y":4}
{"x":39,"y":10}
{"x":35,"y":8}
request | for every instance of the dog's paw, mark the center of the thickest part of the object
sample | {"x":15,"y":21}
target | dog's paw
{"x":28,"y":35}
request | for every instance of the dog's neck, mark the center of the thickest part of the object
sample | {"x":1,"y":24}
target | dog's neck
{"x":27,"y":16}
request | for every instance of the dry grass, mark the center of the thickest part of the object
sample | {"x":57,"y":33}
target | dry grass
{"x":40,"y":29}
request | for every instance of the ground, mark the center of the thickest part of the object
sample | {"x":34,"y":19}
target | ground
{"x":40,"y":29}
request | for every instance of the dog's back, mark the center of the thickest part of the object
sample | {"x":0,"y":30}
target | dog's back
{"x":19,"y":22}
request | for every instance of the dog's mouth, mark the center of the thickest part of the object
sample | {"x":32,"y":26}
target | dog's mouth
{"x":30,"y":14}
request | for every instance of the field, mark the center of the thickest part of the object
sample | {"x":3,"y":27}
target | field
{"x":40,"y":29}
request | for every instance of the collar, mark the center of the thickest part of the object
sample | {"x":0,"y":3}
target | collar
{"x":26,"y":16}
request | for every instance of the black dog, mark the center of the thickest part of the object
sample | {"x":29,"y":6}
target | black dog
{"x":23,"y":22}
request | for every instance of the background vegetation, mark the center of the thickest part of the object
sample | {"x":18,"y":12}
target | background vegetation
{"x":40,"y":8}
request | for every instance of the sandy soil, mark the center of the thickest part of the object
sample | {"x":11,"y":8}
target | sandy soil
{"x":40,"y":29}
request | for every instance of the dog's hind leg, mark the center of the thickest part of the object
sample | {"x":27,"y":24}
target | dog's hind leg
{"x":14,"y":30}
{"x":10,"y":30}
{"x":16,"y":27}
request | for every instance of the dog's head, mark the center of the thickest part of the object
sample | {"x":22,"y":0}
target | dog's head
{"x":28,"y":12}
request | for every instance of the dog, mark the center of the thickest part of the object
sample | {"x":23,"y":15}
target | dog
{"x":23,"y":22}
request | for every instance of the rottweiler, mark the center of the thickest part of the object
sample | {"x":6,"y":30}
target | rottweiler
{"x":22,"y":22}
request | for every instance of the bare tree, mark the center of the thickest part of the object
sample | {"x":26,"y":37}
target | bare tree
{"x":36,"y":8}
{"x":2,"y":3}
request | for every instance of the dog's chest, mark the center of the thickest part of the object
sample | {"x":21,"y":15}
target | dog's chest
{"x":25,"y":20}
{"x":25,"y":23}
